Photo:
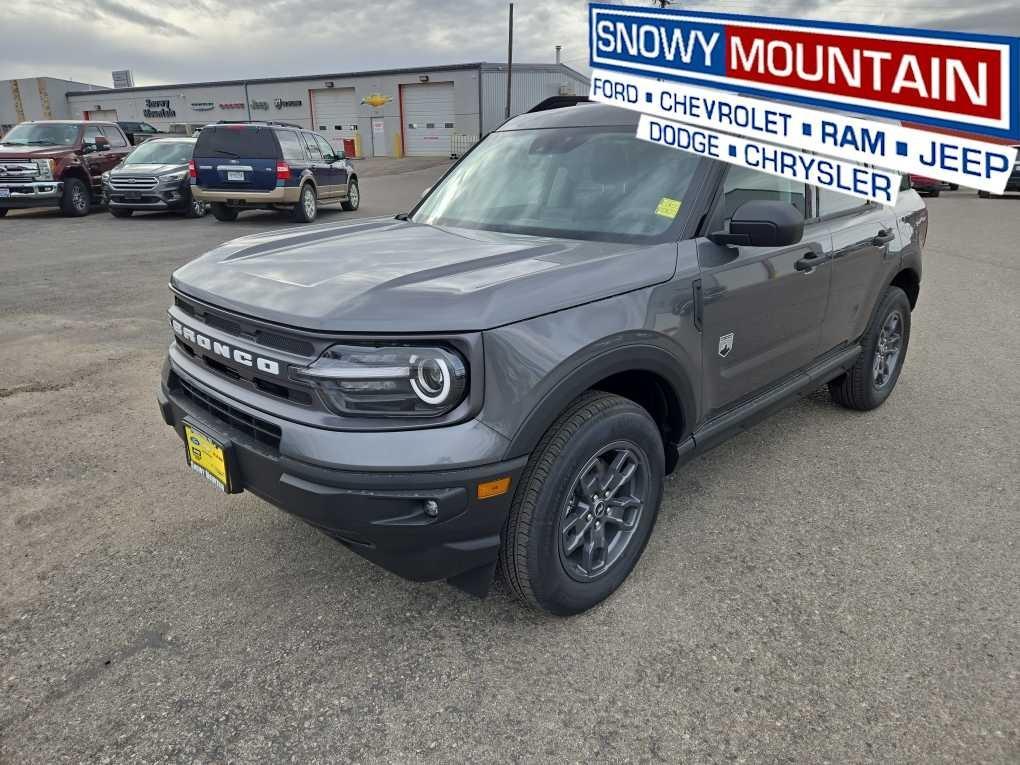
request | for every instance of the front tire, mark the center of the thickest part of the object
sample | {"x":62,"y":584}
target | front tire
{"x":353,"y":201}
{"x":868,"y":383}
{"x":223,"y":213}
{"x":3,"y":211}
{"x":307,"y":207}
{"x":76,"y":199}
{"x":585,"y":507}
{"x":196,"y":209}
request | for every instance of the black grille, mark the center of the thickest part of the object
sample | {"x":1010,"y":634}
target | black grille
{"x":294,"y":345}
{"x":253,"y":427}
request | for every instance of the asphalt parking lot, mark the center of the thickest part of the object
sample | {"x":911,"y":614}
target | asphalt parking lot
{"x":828,"y":587}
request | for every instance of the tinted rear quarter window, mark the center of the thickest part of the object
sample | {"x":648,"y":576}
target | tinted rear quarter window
{"x":250,"y":141}
{"x":293,"y":148}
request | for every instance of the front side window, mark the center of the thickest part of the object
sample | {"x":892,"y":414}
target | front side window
{"x":91,"y":134}
{"x":832,"y":202}
{"x":743,"y":184}
{"x":324,"y":147}
{"x":161,"y":153}
{"x":42,"y":134}
{"x":114,"y":136}
{"x":583,"y":183}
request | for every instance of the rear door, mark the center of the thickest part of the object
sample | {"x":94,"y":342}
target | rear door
{"x":241,"y":157}
{"x":762,"y":312}
{"x":861,"y":236}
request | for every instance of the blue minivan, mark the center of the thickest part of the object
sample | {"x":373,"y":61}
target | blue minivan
{"x":269,"y":166}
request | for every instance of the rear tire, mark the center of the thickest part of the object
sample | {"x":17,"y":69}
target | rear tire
{"x":353,"y":201}
{"x":570,"y":538}
{"x":119,"y":212}
{"x":221,"y":212}
{"x":3,"y":211}
{"x":307,"y":206}
{"x":868,"y":383}
{"x":76,"y":199}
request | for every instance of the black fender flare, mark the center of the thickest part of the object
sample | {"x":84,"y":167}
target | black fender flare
{"x":643,"y":356}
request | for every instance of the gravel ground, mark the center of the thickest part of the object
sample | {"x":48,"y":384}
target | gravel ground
{"x":828,"y":586}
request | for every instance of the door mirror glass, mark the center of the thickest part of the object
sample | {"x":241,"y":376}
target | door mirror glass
{"x":762,"y":223}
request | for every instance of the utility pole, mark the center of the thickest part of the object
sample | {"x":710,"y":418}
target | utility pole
{"x":509,"y":60}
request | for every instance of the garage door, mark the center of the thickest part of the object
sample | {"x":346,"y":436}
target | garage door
{"x":428,"y":118}
{"x":102,"y":115}
{"x":336,"y":114}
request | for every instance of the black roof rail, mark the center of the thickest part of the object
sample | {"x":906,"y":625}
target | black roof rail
{"x":558,"y":102}
{"x":259,"y":122}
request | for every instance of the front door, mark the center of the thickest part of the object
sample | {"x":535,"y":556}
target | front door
{"x":762,"y":313}
{"x":337,"y":169}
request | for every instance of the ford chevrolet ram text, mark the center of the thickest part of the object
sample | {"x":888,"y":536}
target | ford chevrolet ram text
{"x":502,"y":377}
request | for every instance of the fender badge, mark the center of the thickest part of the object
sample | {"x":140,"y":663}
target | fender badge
{"x":726,"y":344}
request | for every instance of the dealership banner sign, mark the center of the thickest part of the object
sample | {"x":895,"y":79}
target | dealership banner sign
{"x":861,"y":181}
{"x":951,"y":80}
{"x":968,"y":162}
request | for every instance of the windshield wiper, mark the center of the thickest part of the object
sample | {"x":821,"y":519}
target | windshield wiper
{"x":39,"y":142}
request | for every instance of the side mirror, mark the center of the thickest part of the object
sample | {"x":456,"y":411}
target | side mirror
{"x":102,"y":143}
{"x":341,"y":155}
{"x":762,"y":223}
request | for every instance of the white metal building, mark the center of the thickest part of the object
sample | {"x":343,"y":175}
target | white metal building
{"x":36,"y":98}
{"x":414,"y":112}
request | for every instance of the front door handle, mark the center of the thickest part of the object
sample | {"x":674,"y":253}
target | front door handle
{"x":809,"y":262}
{"x":884,"y":236}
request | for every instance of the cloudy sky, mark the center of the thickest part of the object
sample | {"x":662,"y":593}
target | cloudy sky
{"x":169,"y":41}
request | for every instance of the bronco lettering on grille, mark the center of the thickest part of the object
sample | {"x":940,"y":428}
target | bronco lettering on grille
{"x":223,"y":349}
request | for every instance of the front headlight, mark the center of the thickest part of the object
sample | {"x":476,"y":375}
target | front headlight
{"x":44,"y":168}
{"x":388,"y":381}
{"x":173,"y":177}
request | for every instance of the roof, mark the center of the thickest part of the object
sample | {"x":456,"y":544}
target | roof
{"x":481,"y":65}
{"x":584,"y":114}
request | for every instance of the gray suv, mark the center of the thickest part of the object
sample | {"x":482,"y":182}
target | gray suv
{"x":502,"y":377}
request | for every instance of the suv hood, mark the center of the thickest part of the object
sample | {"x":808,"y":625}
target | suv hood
{"x":14,"y":151}
{"x":384,"y":275}
{"x":143,"y":169}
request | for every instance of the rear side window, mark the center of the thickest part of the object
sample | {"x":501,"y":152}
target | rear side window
{"x":313,"y":148}
{"x":248,"y":141}
{"x":293,"y":148}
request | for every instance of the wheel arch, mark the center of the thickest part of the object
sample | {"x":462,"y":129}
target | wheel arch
{"x":909,"y":281}
{"x":645,"y":374}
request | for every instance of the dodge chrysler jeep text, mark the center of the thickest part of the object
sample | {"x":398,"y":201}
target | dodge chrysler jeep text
{"x":502,"y":377}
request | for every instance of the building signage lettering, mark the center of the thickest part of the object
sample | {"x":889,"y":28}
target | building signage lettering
{"x":280,"y":103}
{"x":945,"y":79}
{"x":158,"y":109}
{"x":259,"y":105}
{"x":235,"y":105}
{"x":203,"y":106}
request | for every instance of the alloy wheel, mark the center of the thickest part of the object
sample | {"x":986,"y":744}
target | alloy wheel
{"x":353,"y":195}
{"x":888,"y":349}
{"x":603,"y":510}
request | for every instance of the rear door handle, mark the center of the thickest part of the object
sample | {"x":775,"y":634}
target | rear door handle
{"x":884,"y":236}
{"x":809,"y":262}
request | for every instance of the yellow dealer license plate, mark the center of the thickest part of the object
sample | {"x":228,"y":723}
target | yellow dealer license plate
{"x":207,"y":458}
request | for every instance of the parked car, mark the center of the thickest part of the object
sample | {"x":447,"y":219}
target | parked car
{"x":932,"y":187}
{"x":1012,"y":184}
{"x":504,"y":375}
{"x":269,"y":166}
{"x":153,"y":177}
{"x":58,"y":163}
{"x":139,"y":132}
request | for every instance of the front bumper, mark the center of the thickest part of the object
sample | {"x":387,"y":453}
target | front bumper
{"x":158,"y":198}
{"x":281,"y":195}
{"x":33,"y":194}
{"x":379,"y":514}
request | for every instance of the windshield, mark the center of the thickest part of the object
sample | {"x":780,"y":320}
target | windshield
{"x":578,"y":183}
{"x":42,"y":134}
{"x":161,"y":153}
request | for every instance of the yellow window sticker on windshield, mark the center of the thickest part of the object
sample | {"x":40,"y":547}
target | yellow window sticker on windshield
{"x":668,"y":207}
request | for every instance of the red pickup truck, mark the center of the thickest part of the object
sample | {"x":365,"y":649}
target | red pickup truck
{"x":58,"y":163}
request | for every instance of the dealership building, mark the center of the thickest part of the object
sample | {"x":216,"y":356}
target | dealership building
{"x":37,"y":98}
{"x":433,"y":111}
